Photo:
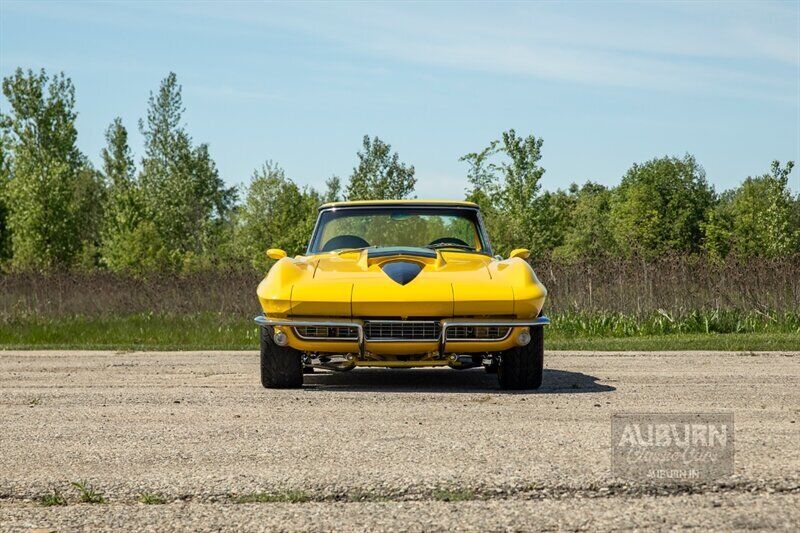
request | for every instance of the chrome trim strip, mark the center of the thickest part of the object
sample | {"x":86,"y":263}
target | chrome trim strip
{"x":265,"y":321}
{"x":486,"y":246}
{"x":305,"y":338}
{"x":493,"y":339}
{"x":509,"y":322}
{"x":331,"y":339}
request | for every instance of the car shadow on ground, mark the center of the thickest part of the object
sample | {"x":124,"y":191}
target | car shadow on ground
{"x":445,"y":380}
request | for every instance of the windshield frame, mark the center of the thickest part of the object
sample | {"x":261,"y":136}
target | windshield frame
{"x":471,"y":213}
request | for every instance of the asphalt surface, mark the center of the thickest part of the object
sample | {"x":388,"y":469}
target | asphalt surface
{"x":382,"y":448}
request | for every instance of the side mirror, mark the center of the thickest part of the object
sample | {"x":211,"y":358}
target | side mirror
{"x":276,"y":253}
{"x":522,"y":253}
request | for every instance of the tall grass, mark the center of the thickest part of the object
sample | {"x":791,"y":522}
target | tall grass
{"x":602,"y":299}
{"x":609,"y":324}
{"x":674,"y":286}
{"x":568,"y":330}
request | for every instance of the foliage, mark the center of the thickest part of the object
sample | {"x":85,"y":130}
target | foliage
{"x":182,"y":193}
{"x":87,"y":493}
{"x":5,"y":176}
{"x":587,"y":233}
{"x":660,"y":206}
{"x":757,"y":219}
{"x":51,"y":499}
{"x":333,"y":189}
{"x":285,"y":496}
{"x":505,"y":181}
{"x":152,"y":498}
{"x":379,"y":174}
{"x":128,"y":241}
{"x":52,"y":195}
{"x":174,"y":214}
{"x":276,"y":214}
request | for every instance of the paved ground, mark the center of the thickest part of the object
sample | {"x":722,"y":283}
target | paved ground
{"x":382,"y":449}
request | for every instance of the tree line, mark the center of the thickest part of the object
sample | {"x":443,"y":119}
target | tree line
{"x":171,"y":210}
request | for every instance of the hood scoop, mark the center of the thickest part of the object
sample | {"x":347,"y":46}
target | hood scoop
{"x":401,"y":272}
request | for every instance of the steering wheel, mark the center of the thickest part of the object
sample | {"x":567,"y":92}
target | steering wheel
{"x":344,"y":241}
{"x":448,"y":240}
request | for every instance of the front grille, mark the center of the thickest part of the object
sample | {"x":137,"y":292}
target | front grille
{"x":402,"y":330}
{"x":326,"y":332}
{"x":475,"y":333}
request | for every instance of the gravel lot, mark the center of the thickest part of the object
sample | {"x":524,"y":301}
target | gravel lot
{"x":382,"y":448}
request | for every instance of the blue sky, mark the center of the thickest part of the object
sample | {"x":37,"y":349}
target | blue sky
{"x":604,"y":84}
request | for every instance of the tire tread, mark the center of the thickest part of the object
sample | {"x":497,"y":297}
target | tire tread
{"x":521,"y":368}
{"x":281,"y":366}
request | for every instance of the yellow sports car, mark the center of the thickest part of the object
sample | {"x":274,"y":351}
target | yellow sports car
{"x":401,"y":284}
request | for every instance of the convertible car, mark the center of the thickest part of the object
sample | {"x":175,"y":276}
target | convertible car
{"x":401,"y":284}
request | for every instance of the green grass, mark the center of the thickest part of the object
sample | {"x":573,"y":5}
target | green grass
{"x":87,"y":494}
{"x":696,"y":330}
{"x":731,"y":342}
{"x":152,"y":498}
{"x":52,"y":499}
{"x":287,"y":496}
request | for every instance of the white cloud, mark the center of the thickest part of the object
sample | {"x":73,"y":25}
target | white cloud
{"x":730,"y":49}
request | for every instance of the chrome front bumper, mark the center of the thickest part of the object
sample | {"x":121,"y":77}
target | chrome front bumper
{"x":358,"y":325}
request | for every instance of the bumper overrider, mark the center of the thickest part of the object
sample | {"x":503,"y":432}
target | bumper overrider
{"x":441,"y":338}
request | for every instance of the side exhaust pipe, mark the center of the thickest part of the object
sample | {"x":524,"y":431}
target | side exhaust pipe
{"x":337,"y":362}
{"x":461,"y":362}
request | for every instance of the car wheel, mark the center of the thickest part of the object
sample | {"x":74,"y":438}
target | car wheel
{"x":281,"y":366}
{"x":521,"y":368}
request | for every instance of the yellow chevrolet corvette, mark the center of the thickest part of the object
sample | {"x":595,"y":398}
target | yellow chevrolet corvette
{"x":401,"y":284}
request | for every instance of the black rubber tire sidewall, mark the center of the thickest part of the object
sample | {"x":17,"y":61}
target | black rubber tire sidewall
{"x":281,"y":366}
{"x":522,"y":368}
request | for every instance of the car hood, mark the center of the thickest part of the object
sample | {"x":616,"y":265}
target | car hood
{"x":396,"y":283}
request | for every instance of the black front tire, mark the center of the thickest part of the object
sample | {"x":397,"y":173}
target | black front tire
{"x":521,"y":368}
{"x":281,"y":366}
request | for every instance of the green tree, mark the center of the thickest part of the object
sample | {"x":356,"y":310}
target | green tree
{"x":718,"y":228}
{"x":276,"y":214}
{"x":333,"y":189}
{"x":128,"y":243}
{"x":756,"y":219}
{"x":379,"y":174}
{"x":52,"y":194}
{"x":588,"y":228}
{"x":483,"y":186}
{"x":508,"y":191}
{"x":554,"y":220}
{"x":5,"y":176}
{"x":182,"y":192}
{"x":661,"y":206}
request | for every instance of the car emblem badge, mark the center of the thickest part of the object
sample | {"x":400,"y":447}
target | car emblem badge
{"x":401,"y":271}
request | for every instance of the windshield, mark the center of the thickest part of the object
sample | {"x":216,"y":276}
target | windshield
{"x":431,"y":227}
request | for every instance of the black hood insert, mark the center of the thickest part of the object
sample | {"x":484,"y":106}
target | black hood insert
{"x":402,"y":272}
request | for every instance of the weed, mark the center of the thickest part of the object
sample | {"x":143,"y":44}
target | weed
{"x":52,"y":499}
{"x":87,"y":494}
{"x":152,"y":498}
{"x":287,"y":496}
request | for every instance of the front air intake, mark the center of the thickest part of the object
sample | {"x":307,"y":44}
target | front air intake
{"x":402,"y":330}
